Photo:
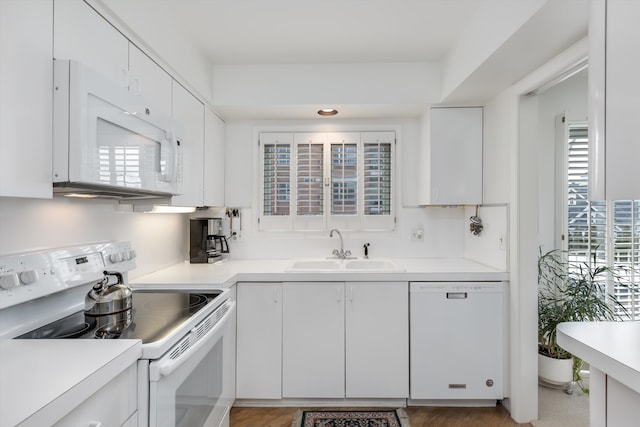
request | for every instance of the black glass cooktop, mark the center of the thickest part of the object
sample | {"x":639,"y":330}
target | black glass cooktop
{"x":153,"y":316}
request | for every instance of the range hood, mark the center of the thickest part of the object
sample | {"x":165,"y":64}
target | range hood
{"x":82,"y":190}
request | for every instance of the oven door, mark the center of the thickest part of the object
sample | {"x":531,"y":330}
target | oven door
{"x":196,"y":387}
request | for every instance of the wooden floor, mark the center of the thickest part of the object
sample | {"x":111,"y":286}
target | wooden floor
{"x":418,"y":417}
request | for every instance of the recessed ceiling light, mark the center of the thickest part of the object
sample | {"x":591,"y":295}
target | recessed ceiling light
{"x":328,"y":112}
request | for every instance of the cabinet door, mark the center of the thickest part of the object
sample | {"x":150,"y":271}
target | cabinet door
{"x":377,"y":340}
{"x":112,"y":405}
{"x":79,"y":33}
{"x":213,"y":159}
{"x":149,"y":81}
{"x":313,"y":340}
{"x":614,"y":90}
{"x":259,"y":341}
{"x":455,"y":156}
{"x":456,"y":344}
{"x":623,"y":404}
{"x":26,"y":76}
{"x":189,"y":111}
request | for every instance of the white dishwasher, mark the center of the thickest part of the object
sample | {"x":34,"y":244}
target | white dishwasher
{"x":457,"y":340}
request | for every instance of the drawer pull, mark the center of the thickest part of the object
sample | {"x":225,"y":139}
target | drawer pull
{"x":456,"y":295}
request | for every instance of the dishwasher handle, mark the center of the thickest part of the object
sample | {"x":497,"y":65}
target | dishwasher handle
{"x":457,"y":295}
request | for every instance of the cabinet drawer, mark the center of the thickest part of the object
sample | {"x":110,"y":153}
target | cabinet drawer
{"x":112,"y":405}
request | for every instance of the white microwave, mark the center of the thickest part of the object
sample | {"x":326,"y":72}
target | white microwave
{"x":104,"y":145}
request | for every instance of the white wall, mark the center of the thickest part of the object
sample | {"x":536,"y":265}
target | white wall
{"x":444,"y":228}
{"x":293,"y":84}
{"x":511,"y":176}
{"x":32,"y":224}
{"x":490,"y":247}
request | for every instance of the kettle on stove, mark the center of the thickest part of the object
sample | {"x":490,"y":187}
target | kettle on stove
{"x":105,"y":298}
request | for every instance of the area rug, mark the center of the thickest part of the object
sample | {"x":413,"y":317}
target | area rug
{"x":384,"y":418}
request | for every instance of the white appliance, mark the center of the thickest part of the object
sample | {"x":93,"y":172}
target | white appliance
{"x":186,"y":375}
{"x":457,"y":338}
{"x":105,"y":142}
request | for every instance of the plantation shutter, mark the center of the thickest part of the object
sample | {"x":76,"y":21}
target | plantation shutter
{"x":626,"y":252}
{"x":310,"y":181}
{"x":602,"y":233}
{"x":377,"y":179}
{"x":310,"y":177}
{"x":276,"y":181}
{"x":322,"y":180}
{"x":377,"y":200}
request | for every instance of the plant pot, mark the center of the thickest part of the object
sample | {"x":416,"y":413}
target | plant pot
{"x":554,"y":372}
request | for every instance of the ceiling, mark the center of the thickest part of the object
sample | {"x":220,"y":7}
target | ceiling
{"x":329,"y":31}
{"x":295,"y":32}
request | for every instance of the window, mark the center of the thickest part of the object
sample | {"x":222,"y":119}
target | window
{"x":599,"y":232}
{"x":322,"y":180}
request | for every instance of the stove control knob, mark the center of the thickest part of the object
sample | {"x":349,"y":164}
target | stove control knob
{"x":126,"y":255}
{"x":29,"y":277}
{"x":132,"y":254}
{"x":9,"y":281}
{"x":115,"y":257}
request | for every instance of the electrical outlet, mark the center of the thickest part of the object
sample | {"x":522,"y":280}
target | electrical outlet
{"x":417,"y":234}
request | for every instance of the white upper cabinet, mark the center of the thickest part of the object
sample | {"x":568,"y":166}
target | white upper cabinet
{"x":189,"y":112}
{"x":26,"y":93}
{"x":80,"y":34}
{"x":213,"y":159}
{"x":149,"y":81}
{"x":614,"y":95}
{"x":451,"y":157}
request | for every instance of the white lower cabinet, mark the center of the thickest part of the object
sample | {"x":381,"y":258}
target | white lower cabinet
{"x":377,"y":340}
{"x":259,"y":341}
{"x":345,"y":340}
{"x":313,"y":340}
{"x":115,"y":404}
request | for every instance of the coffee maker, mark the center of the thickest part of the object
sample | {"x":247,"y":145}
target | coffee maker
{"x":206,"y":241}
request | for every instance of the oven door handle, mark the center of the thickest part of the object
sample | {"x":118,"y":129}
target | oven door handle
{"x":165,"y":366}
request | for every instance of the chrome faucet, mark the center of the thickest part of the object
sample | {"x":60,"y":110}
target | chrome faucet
{"x":342,"y":254}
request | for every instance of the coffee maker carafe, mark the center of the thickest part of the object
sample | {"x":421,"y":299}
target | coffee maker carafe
{"x":207,"y":243}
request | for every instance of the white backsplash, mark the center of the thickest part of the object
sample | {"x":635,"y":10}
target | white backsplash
{"x":161,"y":240}
{"x":442,"y":237}
{"x":491,"y":246}
{"x":32,"y":224}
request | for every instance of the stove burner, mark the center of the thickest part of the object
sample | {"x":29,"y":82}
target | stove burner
{"x":164,"y":302}
{"x":79,"y":330}
{"x":64,"y":331}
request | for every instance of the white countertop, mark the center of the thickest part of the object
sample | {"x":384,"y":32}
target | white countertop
{"x":42,"y":380}
{"x":612,"y":347}
{"x":227,"y":272}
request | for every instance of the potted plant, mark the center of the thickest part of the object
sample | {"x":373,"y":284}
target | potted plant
{"x":569,"y":291}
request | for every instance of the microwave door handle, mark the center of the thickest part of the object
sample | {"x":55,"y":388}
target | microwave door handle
{"x":165,"y":366}
{"x":173,"y":153}
{"x":177,"y":159}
